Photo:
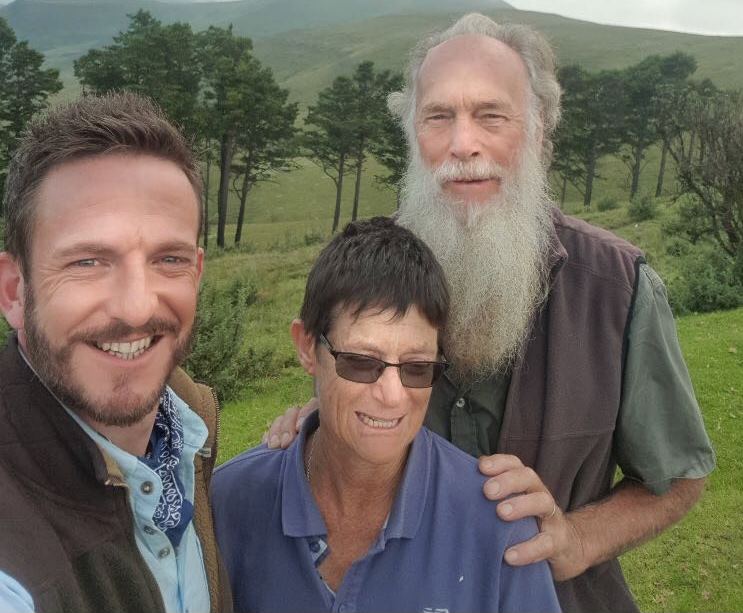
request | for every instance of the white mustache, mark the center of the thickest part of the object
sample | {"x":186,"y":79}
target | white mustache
{"x":471,"y":170}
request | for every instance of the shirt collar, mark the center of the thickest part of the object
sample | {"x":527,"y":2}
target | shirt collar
{"x":300,"y":516}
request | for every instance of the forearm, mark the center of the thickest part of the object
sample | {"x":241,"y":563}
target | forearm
{"x":629,"y":516}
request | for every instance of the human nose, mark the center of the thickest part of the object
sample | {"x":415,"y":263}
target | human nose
{"x":389,"y":387}
{"x":134,"y":299}
{"x":464,"y":139}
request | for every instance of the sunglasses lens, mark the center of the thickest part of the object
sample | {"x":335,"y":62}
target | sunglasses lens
{"x":358,"y":368}
{"x":418,"y":374}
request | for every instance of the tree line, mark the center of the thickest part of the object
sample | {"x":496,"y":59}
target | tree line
{"x":230,"y":105}
{"x":242,"y":122}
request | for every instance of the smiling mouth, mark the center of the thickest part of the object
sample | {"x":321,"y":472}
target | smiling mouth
{"x":377,"y":422}
{"x":127,"y":350}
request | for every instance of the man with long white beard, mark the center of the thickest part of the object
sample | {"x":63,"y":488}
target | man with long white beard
{"x":565,"y":361}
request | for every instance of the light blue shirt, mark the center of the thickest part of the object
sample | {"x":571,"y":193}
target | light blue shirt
{"x":179,"y":572}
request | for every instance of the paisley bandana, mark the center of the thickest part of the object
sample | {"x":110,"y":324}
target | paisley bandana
{"x":174,"y":511}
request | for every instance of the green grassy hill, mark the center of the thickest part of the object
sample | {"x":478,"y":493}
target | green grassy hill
{"x":308,"y":44}
{"x":308,"y":59}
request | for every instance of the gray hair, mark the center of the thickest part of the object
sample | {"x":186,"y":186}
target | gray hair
{"x":532,"y":47}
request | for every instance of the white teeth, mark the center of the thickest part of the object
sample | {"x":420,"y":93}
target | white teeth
{"x":126,"y":350}
{"x":375,"y":422}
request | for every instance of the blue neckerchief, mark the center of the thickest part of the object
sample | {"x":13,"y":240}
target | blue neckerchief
{"x":174,"y":511}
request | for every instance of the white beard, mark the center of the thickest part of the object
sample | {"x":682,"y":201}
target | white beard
{"x":494,"y":256}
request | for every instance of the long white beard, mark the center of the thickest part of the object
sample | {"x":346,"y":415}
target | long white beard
{"x":494,"y":257}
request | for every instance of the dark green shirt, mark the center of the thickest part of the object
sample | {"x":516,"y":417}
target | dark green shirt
{"x":659,"y":434}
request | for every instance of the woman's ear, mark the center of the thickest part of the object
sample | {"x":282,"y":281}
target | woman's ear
{"x":305,"y":345}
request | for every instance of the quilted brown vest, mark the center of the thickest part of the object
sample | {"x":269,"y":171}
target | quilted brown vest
{"x":564,"y":396}
{"x":66,"y":529}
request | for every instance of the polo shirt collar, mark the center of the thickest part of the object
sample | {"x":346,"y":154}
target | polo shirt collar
{"x":300,"y":516}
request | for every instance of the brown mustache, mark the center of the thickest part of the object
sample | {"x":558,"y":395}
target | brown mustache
{"x":119,"y":329}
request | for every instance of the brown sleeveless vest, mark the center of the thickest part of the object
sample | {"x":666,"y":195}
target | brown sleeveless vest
{"x":564,"y":395}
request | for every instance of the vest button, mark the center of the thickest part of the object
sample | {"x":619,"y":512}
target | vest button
{"x":146,"y":487}
{"x":163,"y":553}
{"x":459,"y":403}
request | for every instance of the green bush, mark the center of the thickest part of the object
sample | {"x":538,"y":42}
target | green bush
{"x":218,"y":356}
{"x":678,"y":247}
{"x":642,"y":208}
{"x":608,"y":203}
{"x":4,"y":331}
{"x":313,"y":237}
{"x":707,"y":282}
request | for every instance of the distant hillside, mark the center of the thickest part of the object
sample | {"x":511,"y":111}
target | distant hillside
{"x":48,"y":24}
{"x":308,"y":59}
{"x":309,"y":42}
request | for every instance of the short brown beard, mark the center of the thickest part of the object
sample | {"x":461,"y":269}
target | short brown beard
{"x":49,"y":364}
{"x":495,"y":262}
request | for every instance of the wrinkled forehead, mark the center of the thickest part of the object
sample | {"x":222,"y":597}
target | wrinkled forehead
{"x":472,"y":57}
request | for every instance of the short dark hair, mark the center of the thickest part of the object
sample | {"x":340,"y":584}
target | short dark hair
{"x":121,"y":122}
{"x":374,"y":264}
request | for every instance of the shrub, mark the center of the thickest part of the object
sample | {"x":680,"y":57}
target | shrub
{"x":677,"y":247}
{"x":4,"y":331}
{"x":313,"y":237}
{"x":707,"y":282}
{"x":219,"y":357}
{"x":608,"y":203}
{"x":642,"y":208}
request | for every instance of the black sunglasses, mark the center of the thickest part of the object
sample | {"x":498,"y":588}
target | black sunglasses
{"x":361,"y":368}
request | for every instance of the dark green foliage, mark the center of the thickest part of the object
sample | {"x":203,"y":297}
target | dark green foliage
{"x":643,"y":109}
{"x":590,"y":127}
{"x":149,"y":58}
{"x":642,"y":208}
{"x":677,"y":247}
{"x":4,"y":331}
{"x":389,"y":145}
{"x":709,"y":173}
{"x":607,"y":203}
{"x":329,"y":138}
{"x":707,"y":281}
{"x":218,"y":356}
{"x":24,"y":89}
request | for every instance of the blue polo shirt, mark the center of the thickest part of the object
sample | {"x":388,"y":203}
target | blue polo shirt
{"x":441,"y":548}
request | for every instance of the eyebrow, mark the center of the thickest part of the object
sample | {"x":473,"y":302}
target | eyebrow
{"x":97,"y":249}
{"x":494,"y":104}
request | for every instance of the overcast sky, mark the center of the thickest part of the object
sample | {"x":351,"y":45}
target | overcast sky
{"x":700,"y":16}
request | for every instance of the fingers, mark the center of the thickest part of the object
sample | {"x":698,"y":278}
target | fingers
{"x":538,"y":504}
{"x":492,"y":465}
{"x":517,"y":480}
{"x":541,"y":547}
{"x":282,"y":430}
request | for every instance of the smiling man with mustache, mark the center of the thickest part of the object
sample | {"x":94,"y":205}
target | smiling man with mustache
{"x":104,"y":468}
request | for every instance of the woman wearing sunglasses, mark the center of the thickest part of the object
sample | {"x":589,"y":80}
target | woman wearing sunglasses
{"x":367,"y":510}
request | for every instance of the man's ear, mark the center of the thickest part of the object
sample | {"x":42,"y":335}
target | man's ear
{"x":11,"y":291}
{"x":305,"y":344}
